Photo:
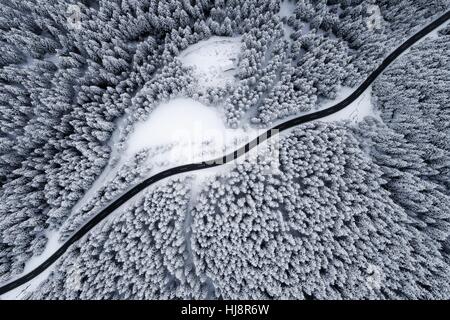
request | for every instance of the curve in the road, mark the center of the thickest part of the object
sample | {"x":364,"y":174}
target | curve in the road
{"x":227,"y":158}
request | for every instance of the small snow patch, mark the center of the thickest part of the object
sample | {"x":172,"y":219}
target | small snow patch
{"x":375,"y":20}
{"x":357,"y":110}
{"x":287,"y":8}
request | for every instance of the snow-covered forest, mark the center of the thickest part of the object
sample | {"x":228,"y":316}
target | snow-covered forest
{"x":357,"y":209}
{"x":333,"y":223}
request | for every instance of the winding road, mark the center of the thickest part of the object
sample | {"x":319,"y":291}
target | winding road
{"x":227,"y":158}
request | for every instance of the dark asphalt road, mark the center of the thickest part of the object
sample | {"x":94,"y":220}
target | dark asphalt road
{"x":227,"y":158}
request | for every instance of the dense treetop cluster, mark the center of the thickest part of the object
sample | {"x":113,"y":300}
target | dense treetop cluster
{"x":413,"y":97}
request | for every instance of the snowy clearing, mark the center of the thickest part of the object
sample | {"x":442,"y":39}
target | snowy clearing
{"x":190,"y":127}
{"x":51,"y":246}
{"x":287,"y":8}
{"x":214,"y":60}
{"x":356,"y":111}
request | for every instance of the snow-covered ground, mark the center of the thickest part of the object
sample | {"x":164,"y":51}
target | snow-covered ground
{"x":375,"y":21}
{"x":287,"y":8}
{"x":214,"y":60}
{"x":192,"y":128}
{"x":356,"y":111}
